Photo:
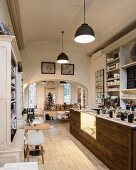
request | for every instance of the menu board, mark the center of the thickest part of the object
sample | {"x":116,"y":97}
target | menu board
{"x":131,"y":77}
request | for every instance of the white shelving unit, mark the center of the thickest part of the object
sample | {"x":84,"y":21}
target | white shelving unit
{"x":81,"y":96}
{"x":9,"y":57}
{"x":123,"y":46}
{"x":13,"y":96}
{"x":113,"y":72}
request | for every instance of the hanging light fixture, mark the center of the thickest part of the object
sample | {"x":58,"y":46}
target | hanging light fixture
{"x":62,"y":58}
{"x":62,"y":82}
{"x":84,"y":33}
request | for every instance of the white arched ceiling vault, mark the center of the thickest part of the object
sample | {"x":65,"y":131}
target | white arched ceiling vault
{"x":45,"y":19}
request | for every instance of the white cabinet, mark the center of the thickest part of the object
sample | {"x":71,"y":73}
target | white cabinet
{"x":5,"y":89}
{"x":8,"y":114}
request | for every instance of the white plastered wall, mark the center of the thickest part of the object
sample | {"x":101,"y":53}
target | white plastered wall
{"x":38,"y":52}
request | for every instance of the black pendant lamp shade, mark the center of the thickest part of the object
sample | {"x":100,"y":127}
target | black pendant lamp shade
{"x":62,"y":58}
{"x":62,"y":82}
{"x":84,"y":33}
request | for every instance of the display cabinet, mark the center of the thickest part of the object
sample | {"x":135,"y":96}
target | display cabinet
{"x":114,"y":143}
{"x":88,"y":123}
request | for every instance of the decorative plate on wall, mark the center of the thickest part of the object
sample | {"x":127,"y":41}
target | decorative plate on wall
{"x":133,"y":53}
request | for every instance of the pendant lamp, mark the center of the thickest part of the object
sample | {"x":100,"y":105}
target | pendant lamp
{"x":62,"y":58}
{"x":62,"y":82}
{"x":84,"y":33}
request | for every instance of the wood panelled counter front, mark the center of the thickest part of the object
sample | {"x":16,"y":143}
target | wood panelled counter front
{"x":115,"y":143}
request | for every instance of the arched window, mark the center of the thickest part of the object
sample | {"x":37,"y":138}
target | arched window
{"x":32,"y":95}
{"x":67,"y":93}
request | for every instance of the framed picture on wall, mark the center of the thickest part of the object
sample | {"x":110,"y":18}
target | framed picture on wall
{"x":67,"y":69}
{"x":47,"y":67}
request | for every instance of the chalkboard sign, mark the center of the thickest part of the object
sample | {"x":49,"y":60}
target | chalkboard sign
{"x":131,"y":77}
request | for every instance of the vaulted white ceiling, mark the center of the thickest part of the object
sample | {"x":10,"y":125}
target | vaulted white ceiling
{"x":43,"y":20}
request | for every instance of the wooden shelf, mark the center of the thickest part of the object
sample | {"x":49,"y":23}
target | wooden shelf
{"x":112,"y":61}
{"x":113,"y":79}
{"x":113,"y":90}
{"x":129,"y":65}
{"x":13,"y":101}
{"x":126,"y":90}
{"x":112,"y":85}
{"x":128,"y":98}
{"x":113,"y":70}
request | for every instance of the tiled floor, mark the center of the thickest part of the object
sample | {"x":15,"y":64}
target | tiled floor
{"x":64,"y":152}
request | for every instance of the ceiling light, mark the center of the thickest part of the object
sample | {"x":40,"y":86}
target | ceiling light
{"x":62,"y":82}
{"x":62,"y":58}
{"x":84,"y":33}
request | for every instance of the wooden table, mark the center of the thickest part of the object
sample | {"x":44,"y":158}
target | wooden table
{"x":43,"y":126}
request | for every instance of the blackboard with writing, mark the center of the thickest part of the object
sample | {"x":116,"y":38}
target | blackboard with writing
{"x":131,"y":77}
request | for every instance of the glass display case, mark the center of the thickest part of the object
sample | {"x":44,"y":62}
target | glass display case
{"x":88,"y":122}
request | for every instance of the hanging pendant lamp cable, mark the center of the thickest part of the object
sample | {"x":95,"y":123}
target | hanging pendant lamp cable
{"x":84,"y":34}
{"x":62,"y":39}
{"x":84,"y":11}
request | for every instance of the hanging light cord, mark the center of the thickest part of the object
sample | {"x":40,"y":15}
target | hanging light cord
{"x":62,"y":40}
{"x":84,"y":11}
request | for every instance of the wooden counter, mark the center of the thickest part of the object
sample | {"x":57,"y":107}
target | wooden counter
{"x":115,"y":143}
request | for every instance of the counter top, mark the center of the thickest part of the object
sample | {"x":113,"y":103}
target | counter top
{"x":117,"y":120}
{"x":106,"y":116}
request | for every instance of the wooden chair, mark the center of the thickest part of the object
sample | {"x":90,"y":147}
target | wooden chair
{"x":35,"y":139}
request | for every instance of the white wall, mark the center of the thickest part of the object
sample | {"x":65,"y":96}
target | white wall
{"x":37,"y":52}
{"x":74,"y":93}
{"x":96,"y":63}
{"x":25,"y":94}
{"x":40,"y":93}
{"x":60,"y":99}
